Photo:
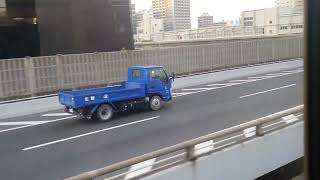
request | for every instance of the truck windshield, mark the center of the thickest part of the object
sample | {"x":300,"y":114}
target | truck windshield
{"x":159,"y":74}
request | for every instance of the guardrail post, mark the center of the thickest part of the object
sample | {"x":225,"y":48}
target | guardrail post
{"x":258,"y":52}
{"x":30,"y":73}
{"x":60,"y":73}
{"x":241,"y":51}
{"x":259,"y":130}
{"x":287,"y":48}
{"x":190,"y":153}
{"x":273,"y":56}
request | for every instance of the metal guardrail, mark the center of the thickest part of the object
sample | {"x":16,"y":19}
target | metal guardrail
{"x":36,"y":76}
{"x":187,"y":149}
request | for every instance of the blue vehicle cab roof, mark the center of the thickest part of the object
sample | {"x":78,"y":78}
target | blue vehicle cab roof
{"x":146,"y":67}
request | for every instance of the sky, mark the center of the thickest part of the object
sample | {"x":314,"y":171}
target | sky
{"x":220,"y":9}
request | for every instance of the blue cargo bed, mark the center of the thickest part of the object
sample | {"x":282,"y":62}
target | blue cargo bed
{"x":88,"y":97}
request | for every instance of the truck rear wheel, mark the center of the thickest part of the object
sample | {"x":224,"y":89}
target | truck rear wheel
{"x":104,"y":113}
{"x":155,"y":103}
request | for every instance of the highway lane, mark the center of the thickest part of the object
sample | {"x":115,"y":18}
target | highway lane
{"x":133,"y":134}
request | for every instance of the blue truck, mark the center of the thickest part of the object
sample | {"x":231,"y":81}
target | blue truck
{"x":149,"y":86}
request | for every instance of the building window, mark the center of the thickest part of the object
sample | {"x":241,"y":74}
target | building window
{"x":270,"y":22}
{"x":248,"y":18}
{"x":283,"y":27}
{"x":270,"y":31}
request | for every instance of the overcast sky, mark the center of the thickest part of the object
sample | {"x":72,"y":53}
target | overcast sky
{"x":220,"y":9}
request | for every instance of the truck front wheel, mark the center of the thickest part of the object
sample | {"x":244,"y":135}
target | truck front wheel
{"x":155,"y":103}
{"x":104,"y":113}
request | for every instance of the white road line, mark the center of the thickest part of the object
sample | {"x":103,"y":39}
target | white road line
{"x":197,"y":89}
{"x":140,"y":168}
{"x":293,"y":71}
{"x":249,"y":132}
{"x":20,"y":123}
{"x":203,"y":147}
{"x":290,"y":118}
{"x":87,"y":134}
{"x":56,"y":114}
{"x":11,"y":129}
{"x":174,"y":94}
{"x":233,"y":84}
{"x":227,"y":84}
{"x":247,"y":80}
{"x":267,"y":91}
{"x":260,"y":77}
{"x":279,"y":74}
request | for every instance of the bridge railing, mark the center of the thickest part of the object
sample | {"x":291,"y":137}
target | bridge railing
{"x":36,"y":76}
{"x":189,"y":150}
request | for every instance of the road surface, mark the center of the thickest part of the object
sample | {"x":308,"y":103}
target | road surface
{"x":56,"y":145}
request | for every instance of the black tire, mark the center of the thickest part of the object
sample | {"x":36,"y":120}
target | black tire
{"x":155,"y":103}
{"x":104,"y":113}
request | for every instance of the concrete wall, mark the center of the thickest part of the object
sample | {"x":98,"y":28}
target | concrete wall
{"x":248,"y":160}
{"x":35,"y":76}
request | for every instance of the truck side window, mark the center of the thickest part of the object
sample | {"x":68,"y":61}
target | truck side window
{"x":158,"y":74}
{"x":136,"y":73}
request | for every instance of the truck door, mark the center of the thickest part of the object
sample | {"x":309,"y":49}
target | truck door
{"x":159,"y":83}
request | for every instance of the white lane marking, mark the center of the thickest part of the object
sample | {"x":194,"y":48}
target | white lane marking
{"x":279,"y":74}
{"x":140,"y":168}
{"x":247,"y":80}
{"x":11,"y":129}
{"x":20,"y":123}
{"x":87,"y":134}
{"x":231,"y":84}
{"x":293,"y":71}
{"x":203,"y":147}
{"x":267,"y":91}
{"x":56,"y":114}
{"x":220,"y":85}
{"x":197,"y":89}
{"x":224,"y":85}
{"x":290,"y":118}
{"x":249,"y":132}
{"x":261,"y":77}
{"x":174,"y":94}
{"x":227,"y":84}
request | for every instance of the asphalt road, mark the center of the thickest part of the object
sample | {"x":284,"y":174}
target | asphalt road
{"x":56,"y":146}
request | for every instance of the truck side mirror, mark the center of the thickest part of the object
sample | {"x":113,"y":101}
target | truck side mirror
{"x":173,"y":76}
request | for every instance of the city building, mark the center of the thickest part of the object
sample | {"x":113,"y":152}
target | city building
{"x":205,"y":20}
{"x":260,"y":22}
{"x":274,"y":21}
{"x":294,"y":6}
{"x":148,"y":26}
{"x":18,"y":29}
{"x":47,"y":27}
{"x":175,"y":13}
{"x":134,"y":23}
{"x":263,"y":18}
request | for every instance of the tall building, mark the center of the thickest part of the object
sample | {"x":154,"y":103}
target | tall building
{"x":19,"y":35}
{"x":133,"y":19}
{"x":175,"y":13}
{"x":148,"y":26}
{"x":205,"y":20}
{"x":50,"y":27}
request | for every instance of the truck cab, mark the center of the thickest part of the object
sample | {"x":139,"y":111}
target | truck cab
{"x":155,"y":79}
